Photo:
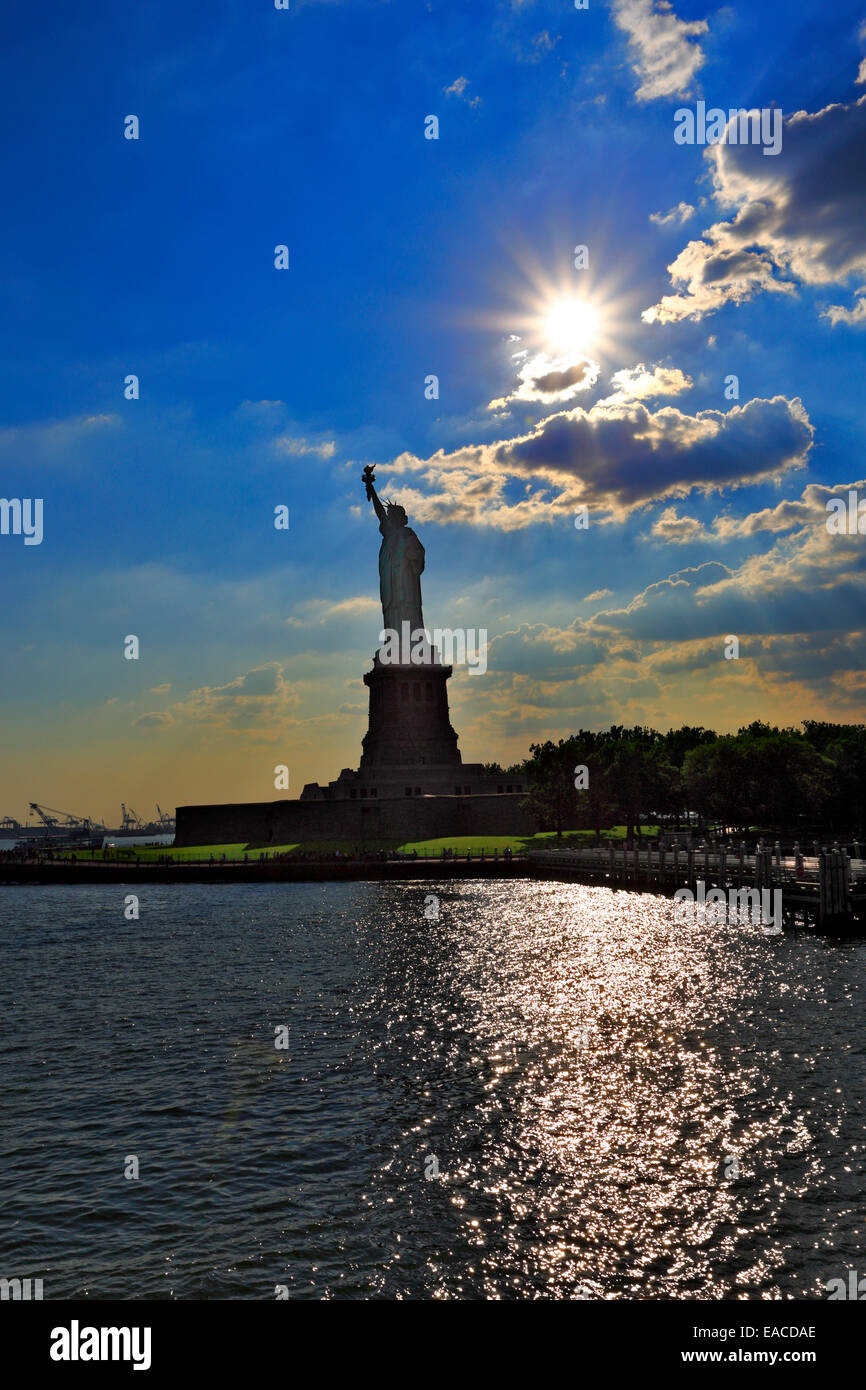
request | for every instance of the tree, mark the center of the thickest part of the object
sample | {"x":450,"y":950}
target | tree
{"x":845,"y":746}
{"x":553,"y":794}
{"x":763,"y":776}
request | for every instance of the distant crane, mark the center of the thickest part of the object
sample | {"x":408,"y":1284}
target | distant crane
{"x":51,"y":818}
{"x":164,"y":818}
{"x":129,"y":819}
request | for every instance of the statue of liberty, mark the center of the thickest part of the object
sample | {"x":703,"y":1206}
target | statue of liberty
{"x":401,"y":562}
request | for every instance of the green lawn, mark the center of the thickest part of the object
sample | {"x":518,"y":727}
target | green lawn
{"x":518,"y":844}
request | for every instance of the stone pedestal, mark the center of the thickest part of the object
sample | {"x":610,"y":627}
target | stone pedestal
{"x":409,"y":724}
{"x":412,"y":782}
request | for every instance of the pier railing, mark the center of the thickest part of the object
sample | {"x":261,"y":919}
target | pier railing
{"x":824,"y":885}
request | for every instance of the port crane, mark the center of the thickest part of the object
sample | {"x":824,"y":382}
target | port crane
{"x":49,"y":823}
{"x":51,"y":818}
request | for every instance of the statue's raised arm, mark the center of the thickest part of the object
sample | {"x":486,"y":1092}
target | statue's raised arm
{"x":368,"y":477}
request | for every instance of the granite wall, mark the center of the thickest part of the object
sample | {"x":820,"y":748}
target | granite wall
{"x":410,"y":818}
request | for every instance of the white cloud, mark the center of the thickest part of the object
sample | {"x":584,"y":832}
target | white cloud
{"x":550,"y":380}
{"x":799,"y":217}
{"x":855,"y":317}
{"x":614,"y":457}
{"x":459,"y":88}
{"x":155,"y":719}
{"x":676,"y":530}
{"x":259,"y":700}
{"x":806,"y":513}
{"x":69,"y":443}
{"x":666,"y":56}
{"x":640,"y":382}
{"x":285,"y":444}
{"x":317,"y":611}
{"x":681,"y":213}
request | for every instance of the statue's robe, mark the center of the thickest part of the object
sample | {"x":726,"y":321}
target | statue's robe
{"x":401,"y":562}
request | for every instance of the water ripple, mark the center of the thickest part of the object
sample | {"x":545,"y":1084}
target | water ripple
{"x":550,"y":1091}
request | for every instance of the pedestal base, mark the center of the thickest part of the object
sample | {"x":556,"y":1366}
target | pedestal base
{"x":409,"y":724}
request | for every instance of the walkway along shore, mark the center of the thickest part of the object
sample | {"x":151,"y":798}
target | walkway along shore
{"x":826,"y":890}
{"x":259,"y":871}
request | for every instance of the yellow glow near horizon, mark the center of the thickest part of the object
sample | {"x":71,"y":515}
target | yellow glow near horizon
{"x":571,"y":325}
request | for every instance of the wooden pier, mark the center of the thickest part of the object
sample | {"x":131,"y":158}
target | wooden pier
{"x":826,"y":889}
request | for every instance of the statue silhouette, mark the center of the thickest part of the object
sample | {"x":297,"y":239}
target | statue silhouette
{"x":401,"y":563}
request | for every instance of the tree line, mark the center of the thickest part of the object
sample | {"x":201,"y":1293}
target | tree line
{"x":789,"y":781}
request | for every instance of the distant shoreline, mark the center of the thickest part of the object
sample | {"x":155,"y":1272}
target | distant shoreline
{"x":23,"y":873}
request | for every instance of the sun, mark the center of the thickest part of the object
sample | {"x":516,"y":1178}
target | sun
{"x":546,"y":310}
{"x":570,"y":325}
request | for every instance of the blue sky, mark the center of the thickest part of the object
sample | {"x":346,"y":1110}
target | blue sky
{"x":409,"y":257}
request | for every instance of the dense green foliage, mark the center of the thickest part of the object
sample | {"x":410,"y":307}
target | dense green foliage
{"x":787,"y":780}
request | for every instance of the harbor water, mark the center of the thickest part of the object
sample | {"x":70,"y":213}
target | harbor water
{"x":499,"y":1089}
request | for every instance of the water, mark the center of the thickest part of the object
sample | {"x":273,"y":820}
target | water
{"x":583,"y":1072}
{"x":127,"y":841}
{"x":120,"y":842}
